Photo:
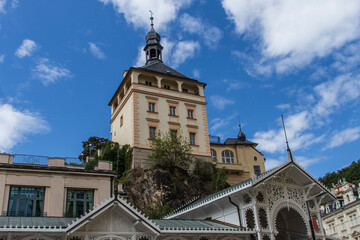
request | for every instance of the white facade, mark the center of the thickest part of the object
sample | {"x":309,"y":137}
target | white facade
{"x":342,"y":217}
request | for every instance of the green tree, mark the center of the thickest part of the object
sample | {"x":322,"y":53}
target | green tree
{"x":169,"y":151}
{"x":208,"y":172}
{"x":350,"y":173}
{"x":120,"y":156}
{"x":92,"y":145}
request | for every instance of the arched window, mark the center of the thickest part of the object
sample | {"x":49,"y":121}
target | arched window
{"x":213,"y":153}
{"x":227,"y":156}
{"x":152,"y":53}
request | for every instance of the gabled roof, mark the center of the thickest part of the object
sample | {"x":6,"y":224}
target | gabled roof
{"x":199,"y":226}
{"x":236,"y":141}
{"x":247,"y":184}
{"x":69,"y":225}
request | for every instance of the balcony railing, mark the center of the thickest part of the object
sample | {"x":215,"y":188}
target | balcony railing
{"x":23,"y":214}
{"x":31,"y":159}
{"x":214,"y":139}
{"x":43,"y":160}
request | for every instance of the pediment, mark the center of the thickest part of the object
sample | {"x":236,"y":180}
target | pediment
{"x":115,"y":217}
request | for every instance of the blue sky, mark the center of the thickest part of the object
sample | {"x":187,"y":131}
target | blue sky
{"x":61,"y":62}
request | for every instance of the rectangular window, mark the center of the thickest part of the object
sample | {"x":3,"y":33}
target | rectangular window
{"x":166,"y":86}
{"x":121,"y":121}
{"x":257,"y":170}
{"x":151,"y":107}
{"x":152,"y":132}
{"x":78,"y":202}
{"x":192,"y":138}
{"x":148,"y":83}
{"x":172,"y":111}
{"x":173,"y":134}
{"x":185,"y":90}
{"x":191,"y":114}
{"x":26,"y":201}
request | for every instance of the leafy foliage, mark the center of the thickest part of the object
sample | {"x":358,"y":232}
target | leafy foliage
{"x":157,"y":210}
{"x":350,"y":173}
{"x":207,"y":171}
{"x":170,"y":151}
{"x":120,"y":156}
{"x":96,"y":144}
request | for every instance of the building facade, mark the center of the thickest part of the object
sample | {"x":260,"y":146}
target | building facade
{"x":341,"y":217}
{"x":52,"y":188}
{"x":275,"y":205}
{"x":156,"y":98}
{"x":239,"y":156}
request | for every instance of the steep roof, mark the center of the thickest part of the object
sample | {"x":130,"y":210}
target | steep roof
{"x":247,"y":184}
{"x":157,"y":66}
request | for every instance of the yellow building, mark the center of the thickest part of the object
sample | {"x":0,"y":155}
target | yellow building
{"x":155,"y":98}
{"x":239,"y":156}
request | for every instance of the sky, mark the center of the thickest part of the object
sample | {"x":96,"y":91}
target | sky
{"x":61,"y":62}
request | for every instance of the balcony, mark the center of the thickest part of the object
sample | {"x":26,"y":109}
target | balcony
{"x":36,"y":160}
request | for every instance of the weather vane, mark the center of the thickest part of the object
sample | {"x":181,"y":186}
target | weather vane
{"x":151,"y":18}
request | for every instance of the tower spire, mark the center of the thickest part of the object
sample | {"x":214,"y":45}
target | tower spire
{"x":287,"y":143}
{"x":241,"y":135}
{"x":153,"y":47}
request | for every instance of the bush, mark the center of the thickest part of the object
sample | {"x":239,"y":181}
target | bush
{"x":169,"y":151}
{"x":207,"y":171}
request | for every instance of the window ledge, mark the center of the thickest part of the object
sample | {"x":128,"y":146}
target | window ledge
{"x":173,"y":115}
{"x":152,"y":112}
{"x":191,"y":118}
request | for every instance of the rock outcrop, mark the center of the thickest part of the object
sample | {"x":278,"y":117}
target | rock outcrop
{"x":160,"y":191}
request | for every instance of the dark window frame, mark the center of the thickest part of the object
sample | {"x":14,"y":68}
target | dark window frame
{"x":152,"y":133}
{"x":192,"y":138}
{"x":151,"y":107}
{"x":77,"y":201}
{"x":172,"y":111}
{"x":31,"y":199}
{"x":190,"y":113}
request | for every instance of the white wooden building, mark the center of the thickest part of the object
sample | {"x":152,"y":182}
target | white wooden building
{"x":282,"y":203}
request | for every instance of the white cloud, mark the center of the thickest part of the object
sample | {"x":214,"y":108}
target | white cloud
{"x":273,"y":163}
{"x":210,"y":34}
{"x":218,"y":123}
{"x":340,"y":137}
{"x":327,"y":98}
{"x":16,"y":125}
{"x":136,"y":12}
{"x":2,"y":58}
{"x":183,"y":51}
{"x":196,"y":73}
{"x":284,"y":106}
{"x":220,"y":102}
{"x":293,"y":33}
{"x":50,"y":73}
{"x":335,"y":93}
{"x":235,"y":84}
{"x":306,"y":162}
{"x":96,"y":51}
{"x":26,"y":49}
{"x":2,"y":6}
{"x":14,"y":3}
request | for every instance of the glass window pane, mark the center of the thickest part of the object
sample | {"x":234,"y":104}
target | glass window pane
{"x":79,"y":208}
